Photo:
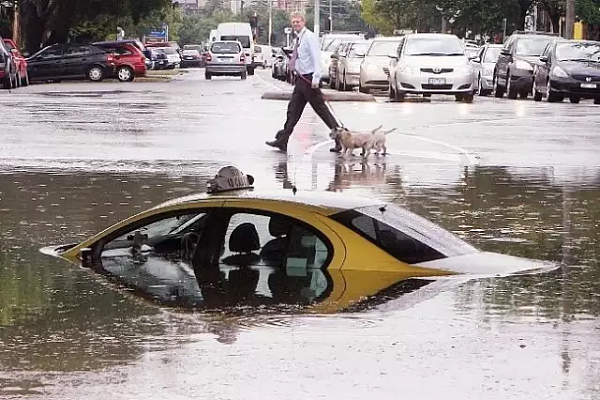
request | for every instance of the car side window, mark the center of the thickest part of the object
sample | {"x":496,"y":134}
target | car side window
{"x":50,"y":53}
{"x":154,"y":256}
{"x":272,"y":240}
{"x":77,"y":50}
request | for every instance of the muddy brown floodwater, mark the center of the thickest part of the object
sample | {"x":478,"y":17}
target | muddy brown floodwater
{"x":66,"y":334}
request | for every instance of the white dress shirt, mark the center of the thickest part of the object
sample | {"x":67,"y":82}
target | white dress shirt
{"x":309,"y":55}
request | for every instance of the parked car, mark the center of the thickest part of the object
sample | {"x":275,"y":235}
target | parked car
{"x":261,"y":54}
{"x":431,"y":63}
{"x":192,"y":56}
{"x":226,"y":58}
{"x":568,"y":69}
{"x":348,"y":69}
{"x":514,"y":70}
{"x":331,"y":41}
{"x":20,"y":62}
{"x":64,"y":61}
{"x":339,"y":52}
{"x":173,"y":58}
{"x":129,"y":60}
{"x":483,"y":64}
{"x":158,"y":58}
{"x":280,"y":66}
{"x":241,"y":32}
{"x":8,"y":68}
{"x":377,"y":58}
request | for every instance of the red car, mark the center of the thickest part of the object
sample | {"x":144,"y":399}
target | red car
{"x":20,"y":62}
{"x":129,"y":60}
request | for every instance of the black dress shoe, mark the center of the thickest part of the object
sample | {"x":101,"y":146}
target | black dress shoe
{"x":278,"y":145}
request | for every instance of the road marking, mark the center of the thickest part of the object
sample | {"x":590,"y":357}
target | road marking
{"x":269,"y":83}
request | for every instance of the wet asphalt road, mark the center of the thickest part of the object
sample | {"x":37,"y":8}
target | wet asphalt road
{"x":517,"y":177}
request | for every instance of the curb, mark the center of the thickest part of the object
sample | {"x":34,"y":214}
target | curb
{"x":329,"y":96}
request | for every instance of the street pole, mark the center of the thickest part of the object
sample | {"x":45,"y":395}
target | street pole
{"x":317,"y":17}
{"x":570,"y":19}
{"x":270,"y":20}
{"x":16,"y":37}
{"x":330,"y":15}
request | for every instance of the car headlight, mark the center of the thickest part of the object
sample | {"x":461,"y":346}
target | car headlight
{"x":524,"y":65}
{"x":559,"y":72}
{"x":407,"y":69}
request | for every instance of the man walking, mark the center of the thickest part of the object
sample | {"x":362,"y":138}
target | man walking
{"x":305,"y":64}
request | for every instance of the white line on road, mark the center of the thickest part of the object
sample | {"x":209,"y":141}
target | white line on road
{"x":268,"y":83}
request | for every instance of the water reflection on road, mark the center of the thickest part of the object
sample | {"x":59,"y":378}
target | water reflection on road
{"x":539,"y":332}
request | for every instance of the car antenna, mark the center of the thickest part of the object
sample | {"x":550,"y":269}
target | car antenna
{"x":294,"y":188}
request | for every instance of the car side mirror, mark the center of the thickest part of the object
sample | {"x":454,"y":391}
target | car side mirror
{"x":544,"y":59}
{"x":505,"y":52}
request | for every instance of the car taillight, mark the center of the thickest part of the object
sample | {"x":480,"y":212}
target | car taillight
{"x":242,"y":58}
{"x":208,"y":57}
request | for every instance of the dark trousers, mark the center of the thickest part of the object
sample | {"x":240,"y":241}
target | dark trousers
{"x":304,"y":93}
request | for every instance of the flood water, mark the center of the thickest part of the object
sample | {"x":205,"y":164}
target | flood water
{"x":65,"y":333}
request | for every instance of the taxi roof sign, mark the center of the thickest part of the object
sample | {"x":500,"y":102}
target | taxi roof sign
{"x":229,"y":178}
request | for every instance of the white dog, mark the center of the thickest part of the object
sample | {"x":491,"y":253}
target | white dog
{"x":367,"y":141}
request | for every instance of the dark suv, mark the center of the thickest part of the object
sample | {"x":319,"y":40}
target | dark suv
{"x":513,"y":74}
{"x":62,"y":61}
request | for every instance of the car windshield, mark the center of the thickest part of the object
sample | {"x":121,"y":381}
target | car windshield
{"x":492,"y":54}
{"x":433,"y":46}
{"x":332,"y":43}
{"x":578,"y":51}
{"x":403,"y":234}
{"x":192,"y":47}
{"x":168,"y":50}
{"x":358,"y":48}
{"x":225,"y":48}
{"x":383,"y":48}
{"x":244,"y":40}
{"x":532,"y":46}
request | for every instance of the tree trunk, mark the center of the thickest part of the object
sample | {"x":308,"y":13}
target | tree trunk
{"x":32,"y":26}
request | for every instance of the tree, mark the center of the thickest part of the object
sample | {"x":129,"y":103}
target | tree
{"x":51,"y":21}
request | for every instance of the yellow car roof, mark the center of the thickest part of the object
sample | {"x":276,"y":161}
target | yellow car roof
{"x":325,"y":203}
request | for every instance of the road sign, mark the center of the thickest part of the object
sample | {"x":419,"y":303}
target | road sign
{"x":287,"y":31}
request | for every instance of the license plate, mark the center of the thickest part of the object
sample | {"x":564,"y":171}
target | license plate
{"x":437,"y":81}
{"x":589,"y":85}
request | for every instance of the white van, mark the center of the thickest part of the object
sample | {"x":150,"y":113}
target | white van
{"x":242,"y":32}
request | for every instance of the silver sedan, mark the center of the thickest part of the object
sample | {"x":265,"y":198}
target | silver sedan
{"x":483,"y":68}
{"x":373,"y":68}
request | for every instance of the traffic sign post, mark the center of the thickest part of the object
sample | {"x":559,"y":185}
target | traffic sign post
{"x":287,"y":31}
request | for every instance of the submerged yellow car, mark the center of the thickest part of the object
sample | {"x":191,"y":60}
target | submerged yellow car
{"x":234,"y":245}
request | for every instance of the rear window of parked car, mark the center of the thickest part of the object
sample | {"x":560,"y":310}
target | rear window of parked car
{"x":225,"y":48}
{"x":244,"y":40}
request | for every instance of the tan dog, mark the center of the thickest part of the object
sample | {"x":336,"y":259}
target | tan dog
{"x":367,"y":141}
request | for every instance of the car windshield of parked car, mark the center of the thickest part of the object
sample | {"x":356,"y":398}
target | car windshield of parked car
{"x":332,"y":43}
{"x":168,"y":50}
{"x":492,"y":54}
{"x":383,"y":48}
{"x":531,"y":46}
{"x":578,"y":51}
{"x":358,"y":48}
{"x":244,"y":40}
{"x":433,"y":46}
{"x":225,"y":48}
{"x":192,"y":47}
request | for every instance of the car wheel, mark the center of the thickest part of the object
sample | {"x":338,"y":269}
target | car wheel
{"x":596,"y":101}
{"x":523,"y":94}
{"x":207,"y":76}
{"x":6,"y":83}
{"x":362,"y":89}
{"x":537,"y":95}
{"x":124,"y":74}
{"x":244,"y":75}
{"x":574,"y":99}
{"x":511,"y":91}
{"x":459,"y":97}
{"x":25,"y":81}
{"x":480,"y":90}
{"x":95,"y":74}
{"x":344,"y":87}
{"x":251,"y":71}
{"x":552,"y":97}
{"x":498,"y":90}
{"x":391,"y":93}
